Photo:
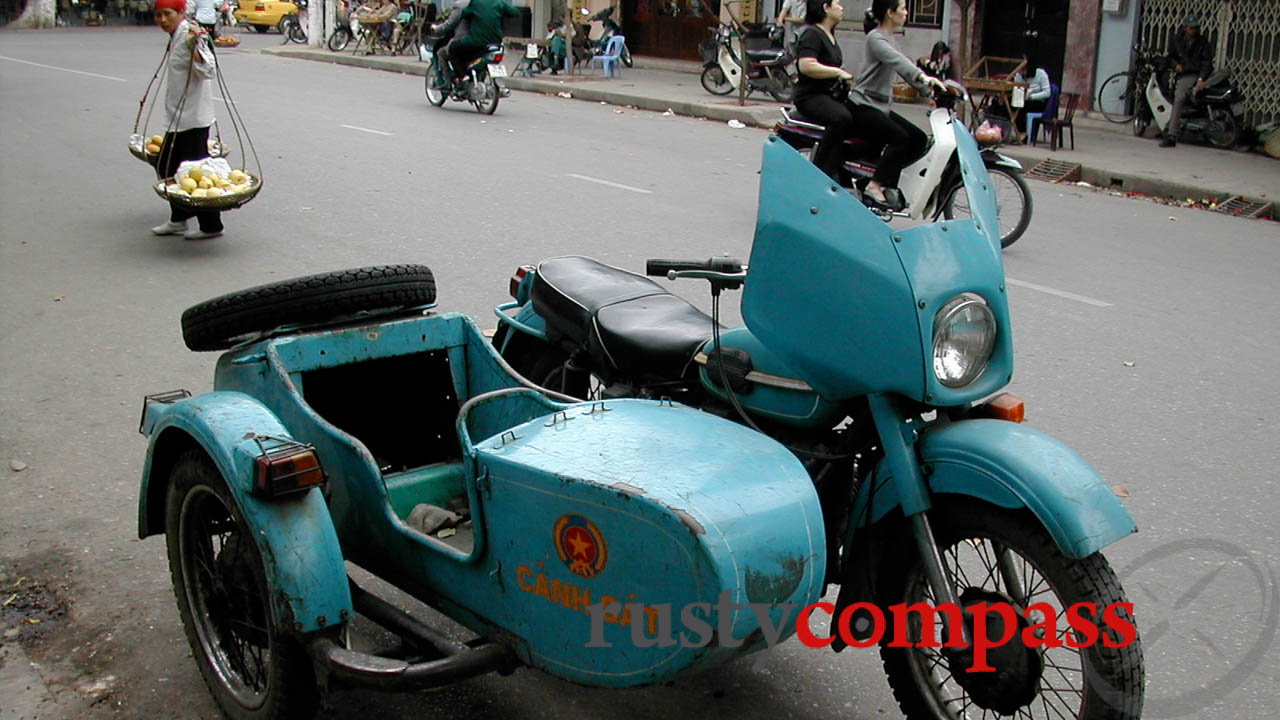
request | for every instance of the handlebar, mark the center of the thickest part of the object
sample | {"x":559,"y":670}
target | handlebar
{"x":664,"y":268}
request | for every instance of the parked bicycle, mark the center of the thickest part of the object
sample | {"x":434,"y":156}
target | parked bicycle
{"x":293,"y":26}
{"x":1120,"y":96}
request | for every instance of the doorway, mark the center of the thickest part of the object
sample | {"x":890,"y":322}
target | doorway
{"x":1036,"y":28}
{"x":668,"y":28}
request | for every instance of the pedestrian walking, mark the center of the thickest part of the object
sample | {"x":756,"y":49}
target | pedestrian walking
{"x":188,"y":107}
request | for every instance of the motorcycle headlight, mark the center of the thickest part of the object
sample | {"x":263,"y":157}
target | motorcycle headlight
{"x":964,"y":334}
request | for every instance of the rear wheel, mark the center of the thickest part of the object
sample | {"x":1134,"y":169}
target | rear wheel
{"x":1222,"y":131}
{"x":1117,"y":97}
{"x":297,"y":34}
{"x":1013,"y":203}
{"x":339,"y":40}
{"x":488,"y":102}
{"x":714,"y":81}
{"x":254,"y":670}
{"x":996,"y":555}
{"x":435,"y":94}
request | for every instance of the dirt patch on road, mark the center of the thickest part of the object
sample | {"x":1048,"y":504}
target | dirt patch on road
{"x":35,"y":597}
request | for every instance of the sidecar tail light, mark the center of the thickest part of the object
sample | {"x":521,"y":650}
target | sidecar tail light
{"x":1004,"y":406}
{"x":522,"y":272}
{"x":287,"y":469}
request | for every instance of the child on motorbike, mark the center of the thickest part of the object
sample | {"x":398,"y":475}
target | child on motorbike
{"x":868,"y":105}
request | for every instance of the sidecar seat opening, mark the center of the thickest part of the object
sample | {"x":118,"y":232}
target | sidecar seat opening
{"x":401,"y":407}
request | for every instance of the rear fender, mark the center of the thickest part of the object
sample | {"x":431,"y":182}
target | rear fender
{"x":1011,"y":466}
{"x":295,"y":534}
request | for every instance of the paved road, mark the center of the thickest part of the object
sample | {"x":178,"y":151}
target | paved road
{"x":1146,"y":339}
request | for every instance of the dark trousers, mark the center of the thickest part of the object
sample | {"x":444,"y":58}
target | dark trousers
{"x":190,"y":144}
{"x":458,"y":56}
{"x":901,"y":139}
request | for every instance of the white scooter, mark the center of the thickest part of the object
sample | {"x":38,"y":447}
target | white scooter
{"x":931,"y":186}
{"x":1215,"y":112}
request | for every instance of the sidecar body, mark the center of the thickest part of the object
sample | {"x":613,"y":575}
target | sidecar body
{"x":614,"y":543}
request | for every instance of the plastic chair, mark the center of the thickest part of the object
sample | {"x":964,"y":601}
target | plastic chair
{"x":528,"y":65}
{"x":1050,"y":108}
{"x":611,"y":60}
{"x":1062,"y":120}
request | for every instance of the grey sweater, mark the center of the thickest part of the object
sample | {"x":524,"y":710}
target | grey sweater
{"x":882,"y":61}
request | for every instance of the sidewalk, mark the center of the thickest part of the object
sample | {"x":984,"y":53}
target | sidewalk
{"x":1108,"y":154}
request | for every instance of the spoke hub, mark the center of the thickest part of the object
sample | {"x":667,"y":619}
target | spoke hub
{"x":1016,"y":679}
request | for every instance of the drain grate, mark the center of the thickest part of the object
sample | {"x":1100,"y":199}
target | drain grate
{"x":1247,"y":208}
{"x":1055,"y":171}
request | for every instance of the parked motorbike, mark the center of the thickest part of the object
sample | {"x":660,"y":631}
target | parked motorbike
{"x":608,"y":28}
{"x":928,"y":491}
{"x":769,"y":68}
{"x":931,"y":186}
{"x":480,"y":84}
{"x":1215,"y":112}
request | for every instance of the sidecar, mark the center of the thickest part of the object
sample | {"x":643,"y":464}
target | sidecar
{"x":613,"y":543}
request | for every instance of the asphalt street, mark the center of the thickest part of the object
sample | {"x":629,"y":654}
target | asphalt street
{"x":1146,"y":339}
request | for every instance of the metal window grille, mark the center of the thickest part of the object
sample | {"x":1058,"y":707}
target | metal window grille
{"x":925,"y":13}
{"x":1246,"y":39}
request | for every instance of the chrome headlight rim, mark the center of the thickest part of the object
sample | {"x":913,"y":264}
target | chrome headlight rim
{"x":948,"y":341}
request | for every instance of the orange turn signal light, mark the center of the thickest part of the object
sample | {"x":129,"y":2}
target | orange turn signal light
{"x":1005,"y":406}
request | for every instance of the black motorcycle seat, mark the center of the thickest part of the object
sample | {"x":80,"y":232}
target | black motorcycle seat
{"x":765,"y":54}
{"x":654,"y":336}
{"x":628,"y":321}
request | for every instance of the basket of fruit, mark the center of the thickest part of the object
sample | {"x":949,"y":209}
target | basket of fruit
{"x":226,"y":41}
{"x":209,"y":184}
{"x":148,"y":149}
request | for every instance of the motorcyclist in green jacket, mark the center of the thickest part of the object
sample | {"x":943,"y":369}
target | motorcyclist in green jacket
{"x":475,"y":24}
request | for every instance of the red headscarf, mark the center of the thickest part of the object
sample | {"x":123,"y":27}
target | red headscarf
{"x":179,"y":5}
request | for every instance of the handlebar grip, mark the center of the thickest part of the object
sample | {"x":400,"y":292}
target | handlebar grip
{"x":659,"y":268}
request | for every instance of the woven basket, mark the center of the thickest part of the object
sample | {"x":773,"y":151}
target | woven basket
{"x":217,"y":149}
{"x":229,"y":201}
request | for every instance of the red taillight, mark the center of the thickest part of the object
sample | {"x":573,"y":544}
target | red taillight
{"x":260,"y":7}
{"x":497,"y":57}
{"x":287,"y":469}
{"x":521,"y":273}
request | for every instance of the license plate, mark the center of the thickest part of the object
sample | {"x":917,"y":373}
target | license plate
{"x":497,"y":71}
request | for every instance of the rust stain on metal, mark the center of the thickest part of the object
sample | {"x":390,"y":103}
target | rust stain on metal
{"x":694,"y":526}
{"x":775,"y":587}
{"x":628,"y":489}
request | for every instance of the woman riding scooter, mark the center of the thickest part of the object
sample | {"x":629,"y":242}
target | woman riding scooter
{"x":867,"y":107}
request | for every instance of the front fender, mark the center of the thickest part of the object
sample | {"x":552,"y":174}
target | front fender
{"x":991,"y":158}
{"x":295,"y":534}
{"x":1014,"y":466}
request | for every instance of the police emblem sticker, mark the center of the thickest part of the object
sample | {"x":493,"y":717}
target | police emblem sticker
{"x":580,"y":545}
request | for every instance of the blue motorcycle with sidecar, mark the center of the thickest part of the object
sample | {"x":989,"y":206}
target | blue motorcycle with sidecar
{"x":351,"y":423}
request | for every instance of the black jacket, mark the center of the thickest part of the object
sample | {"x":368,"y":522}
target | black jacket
{"x":1195,"y":56}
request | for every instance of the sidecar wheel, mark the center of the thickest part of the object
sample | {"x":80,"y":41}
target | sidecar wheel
{"x":253,"y":669}
{"x":219,"y":323}
{"x":1013,"y":203}
{"x":1091,"y":683}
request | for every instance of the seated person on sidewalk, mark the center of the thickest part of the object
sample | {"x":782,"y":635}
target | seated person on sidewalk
{"x":475,"y":24}
{"x":1192,"y":56}
{"x":939,"y":63}
{"x":868,"y":107}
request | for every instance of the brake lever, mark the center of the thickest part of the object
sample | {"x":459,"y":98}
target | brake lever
{"x":719,"y":280}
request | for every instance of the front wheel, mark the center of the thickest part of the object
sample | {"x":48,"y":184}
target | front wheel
{"x":714,"y":81}
{"x":1141,"y":121}
{"x":339,"y":40}
{"x":1013,"y":203}
{"x":435,"y":93}
{"x":297,"y":34}
{"x":254,"y":669}
{"x":995,"y":555}
{"x":1222,"y":131}
{"x":626,"y":56}
{"x":780,"y":86}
